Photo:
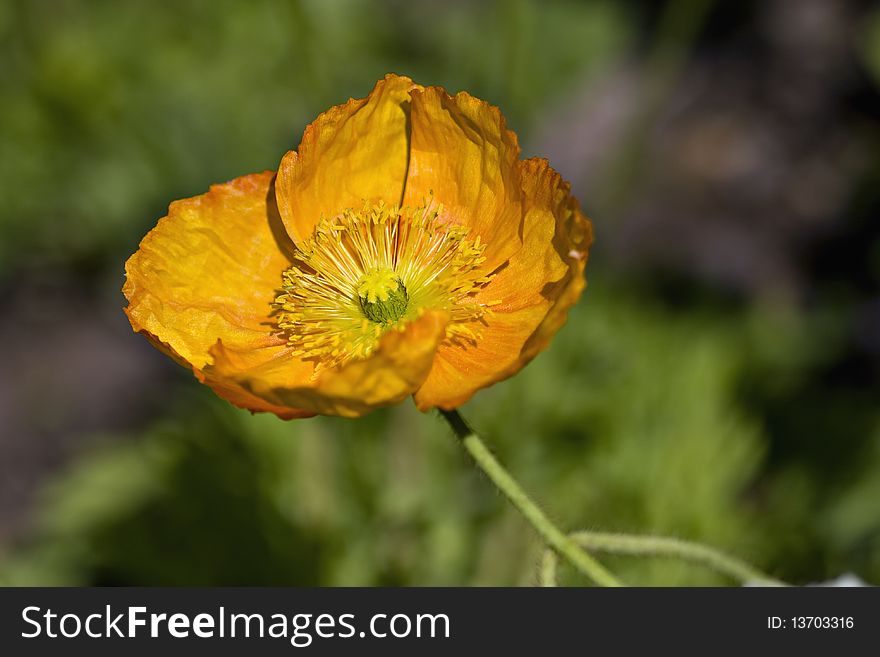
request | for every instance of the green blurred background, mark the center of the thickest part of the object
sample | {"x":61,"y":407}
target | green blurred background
{"x":719,"y":380}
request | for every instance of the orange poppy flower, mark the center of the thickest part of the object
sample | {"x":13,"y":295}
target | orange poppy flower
{"x":403,"y":249}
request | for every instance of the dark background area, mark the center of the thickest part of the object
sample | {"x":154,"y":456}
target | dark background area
{"x":719,"y":380}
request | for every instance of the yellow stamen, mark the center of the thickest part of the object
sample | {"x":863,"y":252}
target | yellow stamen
{"x":362,"y":273}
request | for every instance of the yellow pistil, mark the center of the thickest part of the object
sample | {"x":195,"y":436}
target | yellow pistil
{"x":364,"y":273}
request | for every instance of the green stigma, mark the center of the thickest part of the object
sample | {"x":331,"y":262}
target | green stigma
{"x":382,"y":296}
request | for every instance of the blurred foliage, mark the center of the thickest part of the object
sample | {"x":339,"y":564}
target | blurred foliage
{"x":870,"y":45}
{"x":705,"y":420}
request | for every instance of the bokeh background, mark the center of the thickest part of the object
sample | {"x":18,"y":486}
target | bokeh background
{"x":719,"y":381}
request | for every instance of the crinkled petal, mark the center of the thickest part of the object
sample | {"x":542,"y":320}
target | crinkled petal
{"x":209,"y":271}
{"x":351,"y":154}
{"x":460,"y":371}
{"x":531,"y":294}
{"x":393,"y":372}
{"x":572,"y":242}
{"x":462,"y":153}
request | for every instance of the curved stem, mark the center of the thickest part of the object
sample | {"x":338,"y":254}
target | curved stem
{"x":674,"y":547}
{"x":551,"y":534}
{"x":658,"y":546}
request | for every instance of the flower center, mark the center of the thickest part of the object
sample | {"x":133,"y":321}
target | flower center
{"x":363,"y":273}
{"x":382,"y":295}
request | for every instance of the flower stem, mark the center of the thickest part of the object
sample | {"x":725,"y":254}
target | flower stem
{"x":660,"y":546}
{"x":551,"y":534}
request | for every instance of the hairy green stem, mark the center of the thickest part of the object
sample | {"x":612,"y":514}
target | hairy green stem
{"x":658,"y":546}
{"x":547,"y":569}
{"x":552,"y":535}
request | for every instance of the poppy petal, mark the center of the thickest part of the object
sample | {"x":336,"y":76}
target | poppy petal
{"x":390,"y":374}
{"x":530,"y":295}
{"x":351,"y":154}
{"x":209,"y":270}
{"x":462,"y":154}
